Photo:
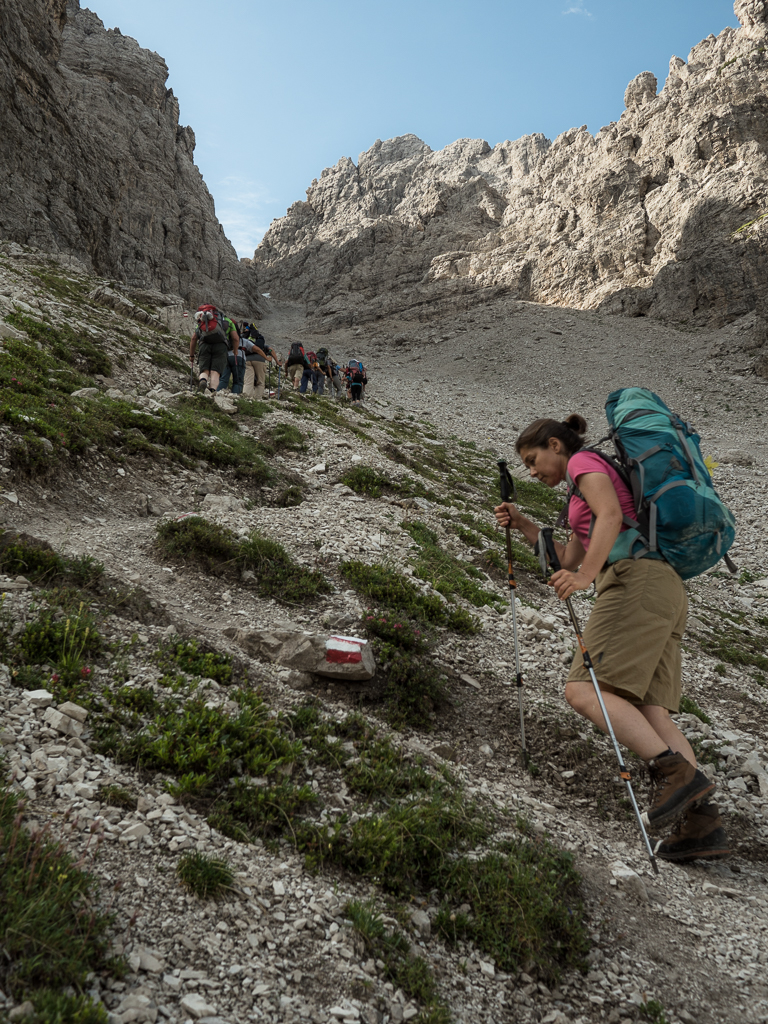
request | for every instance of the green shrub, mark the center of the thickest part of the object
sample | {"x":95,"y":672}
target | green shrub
{"x":392,"y":590}
{"x":415,"y":689}
{"x":188,"y":656}
{"x":233,"y":769}
{"x":395,"y":630}
{"x":60,"y":1008}
{"x":39,"y":563}
{"x":215,"y":548}
{"x":282,"y":437}
{"x":117,"y":796}
{"x":689,"y":706}
{"x":525,"y":906}
{"x":406,"y":971}
{"x":364,"y":480}
{"x":277,"y":575}
{"x":195,"y":541}
{"x":447,"y":575}
{"x":169,"y":361}
{"x":290,"y":497}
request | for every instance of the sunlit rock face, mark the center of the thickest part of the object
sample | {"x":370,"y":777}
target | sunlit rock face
{"x":94,"y":163}
{"x":657,"y":214}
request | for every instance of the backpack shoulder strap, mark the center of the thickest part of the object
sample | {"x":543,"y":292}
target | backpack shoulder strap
{"x":573,"y":491}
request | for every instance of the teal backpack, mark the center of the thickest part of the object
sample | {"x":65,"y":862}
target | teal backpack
{"x":679,"y":516}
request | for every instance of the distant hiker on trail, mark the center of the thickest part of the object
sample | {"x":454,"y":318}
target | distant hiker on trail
{"x":256,"y":364}
{"x":235,"y":367}
{"x":356,"y":381}
{"x":214,"y":335}
{"x":633,"y":634}
{"x":295,"y":364}
{"x":311,"y":373}
{"x":328,"y":373}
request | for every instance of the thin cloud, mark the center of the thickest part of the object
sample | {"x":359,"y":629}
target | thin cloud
{"x":579,"y":9}
{"x":240,"y":206}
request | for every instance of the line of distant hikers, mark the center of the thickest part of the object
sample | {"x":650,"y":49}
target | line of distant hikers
{"x":238,"y":352}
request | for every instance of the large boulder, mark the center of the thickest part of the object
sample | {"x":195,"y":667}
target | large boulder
{"x":292,"y":647}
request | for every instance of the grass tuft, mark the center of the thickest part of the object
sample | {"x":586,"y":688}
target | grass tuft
{"x":206,"y":877}
{"x":447,"y":575}
{"x":689,"y":706}
{"x":22,"y":555}
{"x":188,"y":656}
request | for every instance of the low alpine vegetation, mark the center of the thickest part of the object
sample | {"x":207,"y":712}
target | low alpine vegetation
{"x":446,"y":574}
{"x":406,"y":971}
{"x":216,"y":549}
{"x":234,"y":769}
{"x":189,"y":657}
{"x":392,"y":590}
{"x":21,"y":555}
{"x":415,"y":689}
{"x":54,"y":932}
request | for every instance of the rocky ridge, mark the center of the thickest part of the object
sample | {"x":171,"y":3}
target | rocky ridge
{"x":659,"y":214}
{"x":96,"y":166}
{"x":280,"y":946}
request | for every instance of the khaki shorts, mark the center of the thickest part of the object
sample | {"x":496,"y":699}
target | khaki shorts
{"x":212,"y":357}
{"x":634,"y":632}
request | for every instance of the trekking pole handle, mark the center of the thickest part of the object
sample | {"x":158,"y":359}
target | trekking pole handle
{"x":506,"y":483}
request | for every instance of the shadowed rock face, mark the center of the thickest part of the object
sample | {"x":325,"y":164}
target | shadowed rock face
{"x":645,"y":218}
{"x":94,"y":163}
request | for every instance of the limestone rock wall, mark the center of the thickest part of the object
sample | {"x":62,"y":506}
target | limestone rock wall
{"x":657,"y":214}
{"x":93,"y":161}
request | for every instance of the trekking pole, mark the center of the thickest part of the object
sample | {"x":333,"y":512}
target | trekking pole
{"x":278,"y":381}
{"x":269,"y":383}
{"x":546,"y":552}
{"x":509,"y":493}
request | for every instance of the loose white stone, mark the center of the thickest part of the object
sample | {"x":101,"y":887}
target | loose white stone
{"x":38,"y":698}
{"x":196,"y":1005}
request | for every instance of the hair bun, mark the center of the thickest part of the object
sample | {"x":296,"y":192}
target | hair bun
{"x":576,"y":423}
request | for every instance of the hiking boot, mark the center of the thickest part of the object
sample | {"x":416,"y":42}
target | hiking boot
{"x":700,"y":834}
{"x":202,"y":385}
{"x":677,"y":784}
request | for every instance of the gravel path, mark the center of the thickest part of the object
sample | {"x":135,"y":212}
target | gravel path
{"x":278,"y":949}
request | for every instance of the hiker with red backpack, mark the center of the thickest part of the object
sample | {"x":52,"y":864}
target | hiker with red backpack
{"x":619,"y":542}
{"x":214,"y":335}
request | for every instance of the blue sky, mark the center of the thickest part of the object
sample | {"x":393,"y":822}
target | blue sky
{"x":296,"y":84}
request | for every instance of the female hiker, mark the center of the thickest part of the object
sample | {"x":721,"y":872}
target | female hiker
{"x":633,"y":634}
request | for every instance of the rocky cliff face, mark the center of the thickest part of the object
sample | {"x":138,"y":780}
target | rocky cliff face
{"x":93,"y":161}
{"x":657,"y":214}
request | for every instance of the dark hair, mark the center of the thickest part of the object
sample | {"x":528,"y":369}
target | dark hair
{"x":570,"y":431}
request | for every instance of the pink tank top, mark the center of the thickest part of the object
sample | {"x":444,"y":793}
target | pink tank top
{"x":579,"y":512}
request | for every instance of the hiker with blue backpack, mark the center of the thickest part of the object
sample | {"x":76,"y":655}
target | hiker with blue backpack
{"x":357,"y":378}
{"x":639,"y":523}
